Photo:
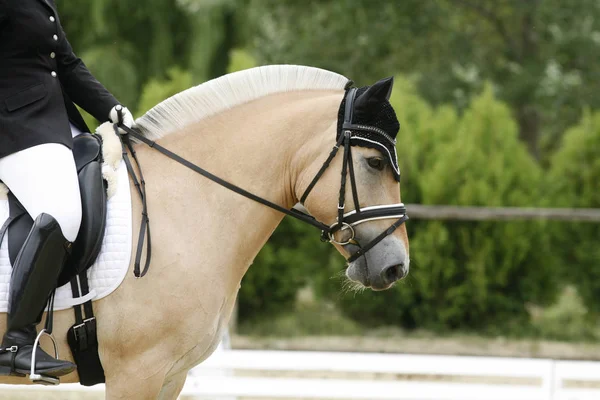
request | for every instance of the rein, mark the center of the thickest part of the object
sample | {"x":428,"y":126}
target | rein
{"x":345,"y":221}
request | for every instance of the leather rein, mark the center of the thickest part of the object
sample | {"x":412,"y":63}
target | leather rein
{"x":345,"y":221}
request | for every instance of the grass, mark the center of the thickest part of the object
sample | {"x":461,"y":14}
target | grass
{"x":306,"y":320}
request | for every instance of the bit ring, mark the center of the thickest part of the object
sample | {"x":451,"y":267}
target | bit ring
{"x":344,"y":226}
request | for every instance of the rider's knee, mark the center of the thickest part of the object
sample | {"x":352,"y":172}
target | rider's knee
{"x":69,"y":221}
{"x":70,"y":225}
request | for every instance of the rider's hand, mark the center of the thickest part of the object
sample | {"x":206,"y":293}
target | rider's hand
{"x":127,"y":120}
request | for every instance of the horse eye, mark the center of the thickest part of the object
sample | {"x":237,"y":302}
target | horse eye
{"x":376,"y":162}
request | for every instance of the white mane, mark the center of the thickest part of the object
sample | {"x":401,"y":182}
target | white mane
{"x":231,"y":90}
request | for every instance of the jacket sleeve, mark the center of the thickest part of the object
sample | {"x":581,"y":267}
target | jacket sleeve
{"x":3,"y":13}
{"x":80,"y":84}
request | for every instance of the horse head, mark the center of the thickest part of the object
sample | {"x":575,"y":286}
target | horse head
{"x":368,"y":194}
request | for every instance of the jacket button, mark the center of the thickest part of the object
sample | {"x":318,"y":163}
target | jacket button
{"x":55,"y":37}
{"x":52,"y":19}
{"x":53,"y":55}
{"x":53,"y":74}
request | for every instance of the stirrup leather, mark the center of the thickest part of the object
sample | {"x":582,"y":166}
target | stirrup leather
{"x":38,"y":378}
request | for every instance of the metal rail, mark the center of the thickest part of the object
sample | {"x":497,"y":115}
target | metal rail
{"x":465,"y":213}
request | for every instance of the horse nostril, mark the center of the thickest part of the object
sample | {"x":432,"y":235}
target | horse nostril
{"x":391,"y":273}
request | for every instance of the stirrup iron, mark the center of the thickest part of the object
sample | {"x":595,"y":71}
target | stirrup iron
{"x":38,"y":378}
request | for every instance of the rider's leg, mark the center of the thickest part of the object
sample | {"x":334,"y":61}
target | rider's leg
{"x":34,"y":276}
{"x":44,"y":179}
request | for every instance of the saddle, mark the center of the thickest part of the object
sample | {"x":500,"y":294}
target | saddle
{"x":87,"y":151}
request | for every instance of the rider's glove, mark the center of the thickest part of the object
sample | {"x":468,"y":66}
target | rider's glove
{"x":127,"y":118}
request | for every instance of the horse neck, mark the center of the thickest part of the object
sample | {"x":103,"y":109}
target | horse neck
{"x":261,"y":146}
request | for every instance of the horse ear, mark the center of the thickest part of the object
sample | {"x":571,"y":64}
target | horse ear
{"x":375,"y":94}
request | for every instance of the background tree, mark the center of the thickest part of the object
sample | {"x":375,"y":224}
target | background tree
{"x":126,"y":43}
{"x":539,"y":54}
{"x":464,"y":275}
{"x":573,"y":181}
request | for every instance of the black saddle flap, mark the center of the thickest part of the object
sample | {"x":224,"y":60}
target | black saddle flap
{"x":19,"y":227}
{"x":93,"y":222}
{"x":86,"y":148}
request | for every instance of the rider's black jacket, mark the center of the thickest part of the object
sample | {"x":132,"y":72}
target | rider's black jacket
{"x":40,"y":78}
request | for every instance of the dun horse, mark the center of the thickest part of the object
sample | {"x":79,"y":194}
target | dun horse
{"x":268,"y":130}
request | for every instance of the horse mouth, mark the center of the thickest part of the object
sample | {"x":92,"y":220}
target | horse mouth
{"x":381,"y":289}
{"x":359,"y":284}
{"x":361,"y":278}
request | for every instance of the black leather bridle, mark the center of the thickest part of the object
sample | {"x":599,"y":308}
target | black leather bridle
{"x":345,"y":221}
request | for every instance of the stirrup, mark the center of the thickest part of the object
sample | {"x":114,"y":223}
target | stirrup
{"x":38,"y":378}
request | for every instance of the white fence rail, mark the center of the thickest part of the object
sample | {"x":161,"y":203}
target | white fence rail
{"x":296,"y":374}
{"x":321,"y":375}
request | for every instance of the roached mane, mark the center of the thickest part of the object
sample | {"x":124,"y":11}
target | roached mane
{"x":231,"y":90}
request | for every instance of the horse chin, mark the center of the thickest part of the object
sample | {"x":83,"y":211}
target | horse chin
{"x":358,"y":275}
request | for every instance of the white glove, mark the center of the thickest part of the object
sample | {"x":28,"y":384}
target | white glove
{"x":128,"y":120}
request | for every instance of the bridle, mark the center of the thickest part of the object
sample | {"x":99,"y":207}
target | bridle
{"x":345,"y":221}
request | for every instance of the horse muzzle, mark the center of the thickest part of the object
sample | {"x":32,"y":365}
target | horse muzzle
{"x":378,"y":269}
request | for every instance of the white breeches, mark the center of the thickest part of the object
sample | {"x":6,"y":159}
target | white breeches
{"x":44,"y":179}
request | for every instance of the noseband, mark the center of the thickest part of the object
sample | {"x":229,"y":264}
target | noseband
{"x":345,"y":221}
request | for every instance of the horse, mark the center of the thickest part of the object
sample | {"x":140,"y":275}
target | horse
{"x":269,"y":130}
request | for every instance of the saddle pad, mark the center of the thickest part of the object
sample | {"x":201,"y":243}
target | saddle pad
{"x":112,"y":264}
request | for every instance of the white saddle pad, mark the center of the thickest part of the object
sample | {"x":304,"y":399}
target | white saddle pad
{"x":110,"y":268}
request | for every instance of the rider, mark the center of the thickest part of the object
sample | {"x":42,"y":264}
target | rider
{"x":39,"y":75}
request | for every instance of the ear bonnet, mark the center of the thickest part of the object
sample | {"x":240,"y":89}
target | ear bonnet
{"x":372,"y":120}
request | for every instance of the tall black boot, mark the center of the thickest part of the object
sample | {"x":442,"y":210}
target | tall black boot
{"x":33,"y":278}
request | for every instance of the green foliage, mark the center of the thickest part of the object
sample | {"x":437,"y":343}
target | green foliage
{"x":111,"y":64}
{"x":467,"y":275}
{"x":424,"y":133}
{"x":573,"y":181}
{"x":303,"y":320}
{"x":157,"y":90}
{"x":126,"y":44}
{"x":541,"y":55}
{"x":239,"y":60}
{"x":212,"y":39}
{"x":567,"y":319}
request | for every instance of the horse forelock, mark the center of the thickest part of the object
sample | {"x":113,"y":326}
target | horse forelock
{"x":228,"y":91}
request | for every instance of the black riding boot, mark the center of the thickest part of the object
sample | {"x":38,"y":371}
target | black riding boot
{"x":33,"y":278}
